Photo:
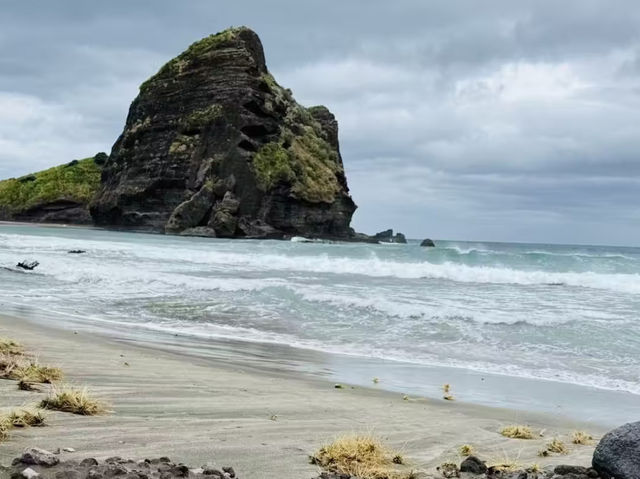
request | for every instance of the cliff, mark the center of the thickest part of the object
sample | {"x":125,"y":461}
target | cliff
{"x":57,"y":195}
{"x":214,"y":146}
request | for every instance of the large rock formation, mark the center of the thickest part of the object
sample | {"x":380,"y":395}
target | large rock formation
{"x":213,"y":145}
{"x":618,"y":453}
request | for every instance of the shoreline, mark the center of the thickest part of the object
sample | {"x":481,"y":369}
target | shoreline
{"x":263,"y":421}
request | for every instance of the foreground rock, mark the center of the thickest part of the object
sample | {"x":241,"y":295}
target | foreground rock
{"x":28,"y":265}
{"x":36,"y":463}
{"x":213,"y":146}
{"x":618,"y":453}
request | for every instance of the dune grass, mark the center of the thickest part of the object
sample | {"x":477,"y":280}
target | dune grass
{"x":556,"y":446}
{"x":466,"y":450}
{"x":10,"y":347}
{"x":20,"y":418}
{"x":582,"y":438}
{"x":20,"y":368}
{"x":517,"y":432}
{"x":73,"y":400}
{"x":363,"y":456}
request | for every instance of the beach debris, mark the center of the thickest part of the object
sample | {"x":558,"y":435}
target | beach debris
{"x":617,"y":453}
{"x":376,"y":380}
{"x":34,"y":456}
{"x":517,"y":432}
{"x":27,"y":265}
{"x":405,"y":397}
{"x":338,"y":386}
{"x":11,"y":347}
{"x":446,"y":389}
{"x":473,"y":465}
{"x":466,"y":450}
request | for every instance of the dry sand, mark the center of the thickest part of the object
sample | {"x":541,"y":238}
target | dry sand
{"x":265,"y":424}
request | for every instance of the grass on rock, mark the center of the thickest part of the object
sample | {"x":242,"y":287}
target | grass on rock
{"x":517,"y":432}
{"x":363,"y":456}
{"x":73,"y":400}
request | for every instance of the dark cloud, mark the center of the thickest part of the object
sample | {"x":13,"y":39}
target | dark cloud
{"x":495,"y":120}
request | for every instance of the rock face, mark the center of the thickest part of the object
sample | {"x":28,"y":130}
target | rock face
{"x":214,"y":146}
{"x":618,"y":453}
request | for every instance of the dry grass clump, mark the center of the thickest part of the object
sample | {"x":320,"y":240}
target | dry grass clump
{"x":517,"y":432}
{"x":505,"y":466}
{"x":582,"y":438}
{"x":27,"y":417}
{"x":19,"y":368}
{"x":449,"y":470}
{"x":556,"y":446}
{"x":73,"y":400}
{"x":9,"y":346}
{"x":446,"y":389}
{"x":363,"y":456}
{"x":466,"y":450}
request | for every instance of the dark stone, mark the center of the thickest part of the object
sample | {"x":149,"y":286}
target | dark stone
{"x":71,"y":163}
{"x":474,"y":465}
{"x":400,"y":238}
{"x":387,"y":236}
{"x":563,"y":470}
{"x":427,"y":243}
{"x":88,"y":462}
{"x":28,"y":265}
{"x":37,"y":457}
{"x":213,"y":141}
{"x":230,"y":471}
{"x":209,"y":471}
{"x":76,"y":251}
{"x":618,"y":453}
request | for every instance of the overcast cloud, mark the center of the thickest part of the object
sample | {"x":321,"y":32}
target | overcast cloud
{"x":492,"y":120}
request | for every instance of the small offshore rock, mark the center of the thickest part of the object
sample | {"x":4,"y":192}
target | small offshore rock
{"x":427,"y":243}
{"x":27,"y":265}
{"x":76,"y":251}
{"x":88,"y":462}
{"x":618,"y":453}
{"x":38,"y":457}
{"x":474,"y":465}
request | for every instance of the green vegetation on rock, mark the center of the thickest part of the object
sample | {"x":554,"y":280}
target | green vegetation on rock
{"x":201,"y":47}
{"x":201,"y":118}
{"x":76,"y":181}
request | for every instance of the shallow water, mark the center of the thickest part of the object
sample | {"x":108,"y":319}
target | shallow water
{"x":565,"y":313}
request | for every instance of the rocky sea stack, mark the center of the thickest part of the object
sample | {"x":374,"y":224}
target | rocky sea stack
{"x":213,"y":146}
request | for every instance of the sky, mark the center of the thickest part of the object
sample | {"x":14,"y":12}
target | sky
{"x":491,"y":121}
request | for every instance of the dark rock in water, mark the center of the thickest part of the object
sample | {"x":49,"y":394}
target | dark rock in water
{"x":28,"y":265}
{"x":37,"y":457}
{"x":427,"y":243}
{"x":618,"y":453}
{"x":76,"y":251}
{"x":213,"y":141}
{"x":387,"y":236}
{"x":473,"y":465}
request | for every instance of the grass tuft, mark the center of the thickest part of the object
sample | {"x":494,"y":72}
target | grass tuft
{"x":517,"y":432}
{"x":582,"y":438}
{"x":27,"y":417}
{"x":19,"y":368}
{"x":556,"y":446}
{"x":10,"y":347}
{"x":73,"y":400}
{"x":363,"y":456}
{"x":466,"y":450}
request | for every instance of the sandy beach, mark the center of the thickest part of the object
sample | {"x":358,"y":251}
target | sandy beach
{"x":262,"y":422}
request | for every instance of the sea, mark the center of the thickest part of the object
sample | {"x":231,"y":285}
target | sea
{"x":529,"y":326}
